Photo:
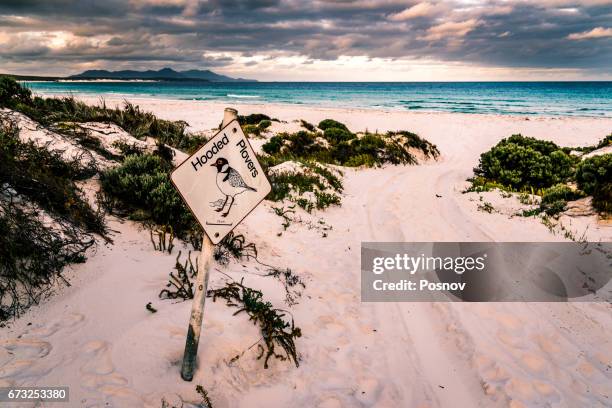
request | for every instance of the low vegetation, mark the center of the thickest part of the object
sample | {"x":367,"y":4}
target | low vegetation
{"x":234,"y":246}
{"x":37,"y":186}
{"x":336,"y":144}
{"x":311,"y":184}
{"x":594,"y":176}
{"x":521,"y":163}
{"x":179,"y":284}
{"x":140,"y":188}
{"x":605,"y":142}
{"x":528,"y":165}
{"x":53,"y":112}
{"x":555,"y":198}
{"x":255,"y":124}
{"x":45,"y":178}
{"x":278,"y":333}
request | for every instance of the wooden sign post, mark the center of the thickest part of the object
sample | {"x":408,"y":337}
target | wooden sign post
{"x":221,"y":183}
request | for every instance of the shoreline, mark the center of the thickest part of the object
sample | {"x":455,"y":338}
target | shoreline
{"x":203,"y":116}
{"x":249,"y":102}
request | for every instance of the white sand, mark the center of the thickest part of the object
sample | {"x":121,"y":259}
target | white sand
{"x":97,"y":337}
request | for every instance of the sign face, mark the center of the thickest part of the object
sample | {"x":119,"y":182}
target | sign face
{"x":222,"y":182}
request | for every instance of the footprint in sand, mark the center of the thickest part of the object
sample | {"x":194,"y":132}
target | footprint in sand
{"x":98,"y":374}
{"x":70,"y":320}
{"x":18,"y":357}
{"x":26,"y":347}
{"x":98,"y":358}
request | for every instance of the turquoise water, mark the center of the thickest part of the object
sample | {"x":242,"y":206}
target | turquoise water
{"x":518,"y":98}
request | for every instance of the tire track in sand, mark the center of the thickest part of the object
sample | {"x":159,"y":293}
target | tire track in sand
{"x":425,"y":370}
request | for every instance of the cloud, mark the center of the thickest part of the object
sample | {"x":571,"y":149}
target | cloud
{"x":597,"y":32}
{"x":66,"y":35}
{"x":418,"y":10}
{"x":451,"y":30}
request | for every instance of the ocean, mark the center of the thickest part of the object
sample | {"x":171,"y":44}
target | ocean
{"x":511,"y":98}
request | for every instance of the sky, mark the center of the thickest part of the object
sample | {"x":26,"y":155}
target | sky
{"x":324,"y":40}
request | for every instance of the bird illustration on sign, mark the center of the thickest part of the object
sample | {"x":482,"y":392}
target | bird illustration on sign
{"x":230,"y":183}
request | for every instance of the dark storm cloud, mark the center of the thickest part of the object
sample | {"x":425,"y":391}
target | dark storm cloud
{"x":185,"y":33}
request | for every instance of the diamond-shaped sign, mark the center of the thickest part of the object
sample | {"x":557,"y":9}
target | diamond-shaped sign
{"x":222,"y":182}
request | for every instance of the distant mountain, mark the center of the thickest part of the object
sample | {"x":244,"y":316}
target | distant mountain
{"x":167,"y":74}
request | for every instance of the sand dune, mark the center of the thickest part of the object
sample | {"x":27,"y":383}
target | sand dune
{"x":97,"y":337}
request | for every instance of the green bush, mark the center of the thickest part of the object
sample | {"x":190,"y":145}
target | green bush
{"x":337,"y":135}
{"x":253,"y":119}
{"x":524,"y":162}
{"x":284,"y":183}
{"x":264,"y":124}
{"x":554,"y":199}
{"x":303,"y":144}
{"x":330,"y":123}
{"x":360,"y":160}
{"x":325,"y":200}
{"x":273,"y":145}
{"x":307,"y":125}
{"x":345,"y":148}
{"x":47,"y":179}
{"x":315,"y":179}
{"x":413,"y":140}
{"x":141,"y":186}
{"x":251,"y":129}
{"x":560,"y":192}
{"x":594,"y":176}
{"x":11,"y":92}
{"x":606,"y":141}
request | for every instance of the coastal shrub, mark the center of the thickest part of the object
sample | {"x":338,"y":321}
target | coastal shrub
{"x":45,"y":222}
{"x":324,"y":200}
{"x":307,"y":125}
{"x":264,"y":124}
{"x":560,"y":192}
{"x":359,"y":160}
{"x":141,"y":188}
{"x":606,"y":141}
{"x":594,"y":176}
{"x":11,"y":92}
{"x":313,"y":186}
{"x":337,"y":135}
{"x":33,"y":253}
{"x":285,"y":182}
{"x":278,"y":333}
{"x":44,"y":177}
{"x":273,"y":145}
{"x":554,"y":199}
{"x":132,"y":119}
{"x":257,"y":129}
{"x":412,"y":140}
{"x":234,"y":246}
{"x":302,"y":143}
{"x":522,"y":162}
{"x":348,"y":149}
{"x":192,"y":143}
{"x":179,"y":284}
{"x":396,"y":153}
{"x":253,"y":119}
{"x":330,"y":123}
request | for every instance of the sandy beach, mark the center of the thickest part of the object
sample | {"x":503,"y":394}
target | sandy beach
{"x":96,"y":336}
